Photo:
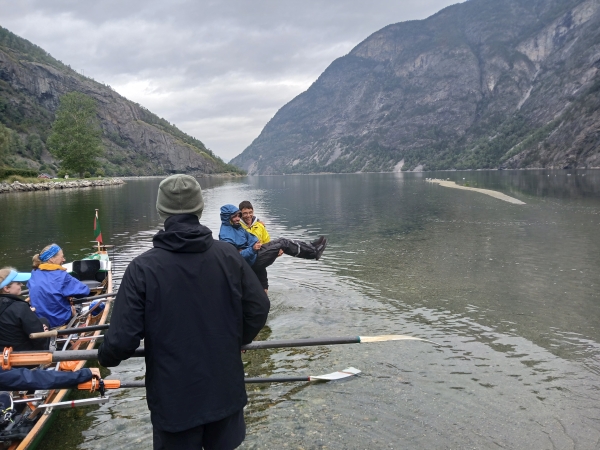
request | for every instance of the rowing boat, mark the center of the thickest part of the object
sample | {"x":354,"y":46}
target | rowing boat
{"x":36,"y":417}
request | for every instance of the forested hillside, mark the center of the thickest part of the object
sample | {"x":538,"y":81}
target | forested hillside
{"x":482,"y":84}
{"x":135,"y":141}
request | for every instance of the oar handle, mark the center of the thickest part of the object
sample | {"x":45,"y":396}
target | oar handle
{"x":10,"y":358}
{"x":44,"y":334}
{"x":93,"y":385}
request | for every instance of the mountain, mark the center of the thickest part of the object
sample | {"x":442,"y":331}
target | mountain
{"x":481,"y":84}
{"x":136,"y":141}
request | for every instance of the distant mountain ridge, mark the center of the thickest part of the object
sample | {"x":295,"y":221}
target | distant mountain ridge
{"x":137,"y":141}
{"x":481,"y":84}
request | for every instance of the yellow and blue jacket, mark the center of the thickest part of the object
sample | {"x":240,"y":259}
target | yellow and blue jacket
{"x":257,"y":229}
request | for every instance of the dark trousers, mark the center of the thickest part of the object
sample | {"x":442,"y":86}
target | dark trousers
{"x":224,"y":434}
{"x":268,"y":254}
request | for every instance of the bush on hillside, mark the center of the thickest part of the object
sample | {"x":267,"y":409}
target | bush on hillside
{"x":6,"y":172}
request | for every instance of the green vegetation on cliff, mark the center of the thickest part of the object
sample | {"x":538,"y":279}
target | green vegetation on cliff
{"x":136,"y":141}
{"x":481,"y":84}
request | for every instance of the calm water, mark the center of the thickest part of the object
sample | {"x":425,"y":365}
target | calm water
{"x":509,"y":291}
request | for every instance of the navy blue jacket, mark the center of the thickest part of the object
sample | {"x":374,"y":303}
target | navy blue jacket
{"x":25,"y":379}
{"x":240,"y":238}
{"x":195,"y":302}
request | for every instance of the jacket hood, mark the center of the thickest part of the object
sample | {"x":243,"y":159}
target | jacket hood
{"x":183,"y":234}
{"x":226,"y":212}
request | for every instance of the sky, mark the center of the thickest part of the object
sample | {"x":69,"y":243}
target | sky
{"x":218,"y":70}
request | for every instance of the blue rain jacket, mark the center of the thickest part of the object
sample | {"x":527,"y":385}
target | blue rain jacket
{"x":49,"y":289}
{"x":240,"y":238}
{"x":25,"y":379}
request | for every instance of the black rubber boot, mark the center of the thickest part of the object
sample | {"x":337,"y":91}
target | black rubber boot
{"x":307,"y":251}
{"x":321,"y":249}
{"x":318,"y":241}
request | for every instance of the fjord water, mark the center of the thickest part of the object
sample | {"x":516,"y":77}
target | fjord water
{"x":510,"y":292}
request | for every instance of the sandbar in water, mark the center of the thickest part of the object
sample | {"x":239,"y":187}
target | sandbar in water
{"x":495,"y":194}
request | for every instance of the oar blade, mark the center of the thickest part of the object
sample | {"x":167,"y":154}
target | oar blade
{"x":349,"y":372}
{"x":392,"y":337}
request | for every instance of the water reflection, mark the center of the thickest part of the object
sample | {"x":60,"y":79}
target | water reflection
{"x":509,"y":291}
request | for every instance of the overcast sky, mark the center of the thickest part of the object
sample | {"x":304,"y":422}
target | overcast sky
{"x":219,"y":70}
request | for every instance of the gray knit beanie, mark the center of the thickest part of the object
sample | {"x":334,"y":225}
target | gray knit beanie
{"x":179,"y":194}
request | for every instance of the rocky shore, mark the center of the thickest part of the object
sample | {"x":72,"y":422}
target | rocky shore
{"x":50,"y":185}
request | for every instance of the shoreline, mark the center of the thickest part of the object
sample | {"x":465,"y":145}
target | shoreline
{"x":495,"y":194}
{"x":7,"y":188}
{"x":201,"y":175}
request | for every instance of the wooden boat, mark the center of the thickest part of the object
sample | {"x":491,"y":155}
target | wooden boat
{"x":95,"y":271}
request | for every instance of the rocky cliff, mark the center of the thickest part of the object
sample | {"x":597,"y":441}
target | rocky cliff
{"x":136,"y":141}
{"x":481,"y":84}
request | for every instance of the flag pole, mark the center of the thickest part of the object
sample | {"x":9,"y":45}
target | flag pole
{"x":97,"y":230}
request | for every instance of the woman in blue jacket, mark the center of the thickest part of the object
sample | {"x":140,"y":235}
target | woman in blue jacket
{"x":50,"y":286}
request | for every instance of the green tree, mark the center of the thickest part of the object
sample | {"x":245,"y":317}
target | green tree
{"x":34,"y":145}
{"x":4,"y":140}
{"x":75,"y":138}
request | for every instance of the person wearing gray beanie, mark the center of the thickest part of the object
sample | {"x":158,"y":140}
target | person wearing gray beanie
{"x":195,"y":301}
{"x":179,"y":194}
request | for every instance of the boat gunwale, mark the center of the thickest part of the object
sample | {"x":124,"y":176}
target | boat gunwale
{"x":38,"y":431}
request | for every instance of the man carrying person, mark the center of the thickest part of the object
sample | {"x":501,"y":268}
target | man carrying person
{"x":258,"y":254}
{"x":195,"y":302}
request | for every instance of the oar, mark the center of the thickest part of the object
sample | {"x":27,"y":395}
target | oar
{"x":76,"y":330}
{"x":77,"y":301}
{"x":93,"y":385}
{"x":11,"y":358}
{"x":64,"y":405}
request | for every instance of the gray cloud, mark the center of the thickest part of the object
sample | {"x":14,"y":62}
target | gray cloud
{"x":218,"y":70}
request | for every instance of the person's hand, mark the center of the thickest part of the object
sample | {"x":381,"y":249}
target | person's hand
{"x":95,"y":372}
{"x":280,"y":252}
{"x":257,"y":246}
{"x":260,"y":221}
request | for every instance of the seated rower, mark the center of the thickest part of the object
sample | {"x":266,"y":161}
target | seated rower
{"x":30,"y":380}
{"x":260,"y":255}
{"x":17,"y":320}
{"x":50,"y":286}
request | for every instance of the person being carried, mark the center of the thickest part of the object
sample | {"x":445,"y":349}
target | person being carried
{"x":259,"y":255}
{"x":253,"y":225}
{"x":50,"y":286}
{"x":17,"y":320}
{"x":195,"y":302}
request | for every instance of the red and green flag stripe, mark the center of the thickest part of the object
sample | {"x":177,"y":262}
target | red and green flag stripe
{"x":97,"y":230}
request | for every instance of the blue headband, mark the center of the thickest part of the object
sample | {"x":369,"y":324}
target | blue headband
{"x":47,"y":254}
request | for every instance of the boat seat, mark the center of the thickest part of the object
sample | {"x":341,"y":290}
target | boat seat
{"x":91,"y":284}
{"x":88,"y":270}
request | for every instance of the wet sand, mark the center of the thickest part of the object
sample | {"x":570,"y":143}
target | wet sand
{"x":495,"y":194}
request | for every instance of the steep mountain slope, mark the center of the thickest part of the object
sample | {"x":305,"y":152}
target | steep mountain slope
{"x":137,"y":142}
{"x":482,"y":84}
